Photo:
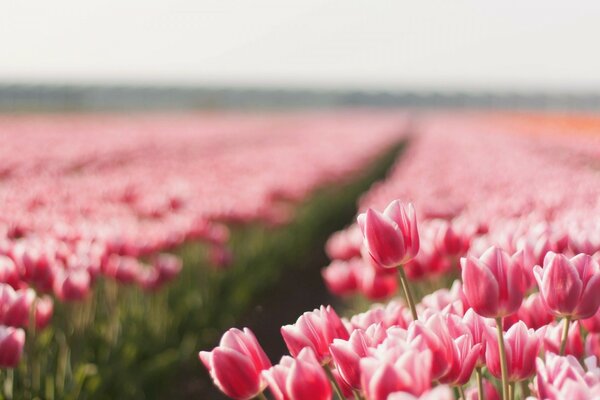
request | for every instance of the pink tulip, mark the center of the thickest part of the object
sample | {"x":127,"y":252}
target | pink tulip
{"x":461,"y":352}
{"x":409,"y":373}
{"x":478,"y":326}
{"x":489,"y":392}
{"x":375,"y":283}
{"x":391,"y":238}
{"x":522,"y":346}
{"x":17,"y":312}
{"x":341,"y":276}
{"x":393,"y":313}
{"x":44,"y":308}
{"x":434,"y":336}
{"x":72,"y":285}
{"x":300,"y":378}
{"x":592,"y":345}
{"x":347,"y":354}
{"x":533,"y":312}
{"x":569,"y":287}
{"x":441,"y":392}
{"x":168,"y":267}
{"x":592,"y":324}
{"x":553,"y":337}
{"x":345,"y":245}
{"x":12,"y":341}
{"x":9,"y":272}
{"x":494,"y":284}
{"x":563,"y":377}
{"x":317,"y":330}
{"x":236,"y":364}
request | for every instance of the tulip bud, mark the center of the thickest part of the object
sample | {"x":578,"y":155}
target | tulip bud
{"x":493,"y":284}
{"x":236,"y":364}
{"x":391,"y":238}
{"x":569,"y":287}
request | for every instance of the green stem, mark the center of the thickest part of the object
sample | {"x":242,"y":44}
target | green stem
{"x":511,"y":391}
{"x":565,"y":335}
{"x":334,"y":383}
{"x":9,"y":382}
{"x":461,"y":392}
{"x":503,"y":364}
{"x":407,"y":292}
{"x":356,"y":394}
{"x":480,"y":392}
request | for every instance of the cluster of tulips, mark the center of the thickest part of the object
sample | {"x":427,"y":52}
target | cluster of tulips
{"x":486,"y":326}
{"x":507,"y":215}
{"x":85,"y":197}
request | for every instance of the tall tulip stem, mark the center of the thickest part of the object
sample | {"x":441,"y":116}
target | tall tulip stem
{"x":480,"y":393}
{"x":461,"y":392}
{"x":565,"y":335}
{"x":334,"y":383}
{"x":407,"y":293}
{"x":503,"y":363}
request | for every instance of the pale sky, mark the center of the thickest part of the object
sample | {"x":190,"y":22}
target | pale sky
{"x":478,"y":44}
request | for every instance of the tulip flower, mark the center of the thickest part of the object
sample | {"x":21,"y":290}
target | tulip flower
{"x":441,"y":392}
{"x":522,"y":346}
{"x":12,"y":341}
{"x":300,"y":378}
{"x":341,"y":276}
{"x":409,"y":373}
{"x":592,"y":324}
{"x":391,"y":238}
{"x":561,"y":378}
{"x":533,"y":312}
{"x":317,"y":330}
{"x":347,"y":354}
{"x":569,"y":287}
{"x":574,"y":344}
{"x":72,"y":285}
{"x":236,"y":364}
{"x":494,"y":284}
{"x":488,"y":392}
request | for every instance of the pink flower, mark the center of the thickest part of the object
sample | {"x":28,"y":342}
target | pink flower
{"x":522,"y":346}
{"x":317,"y":330}
{"x":409,"y":373}
{"x":12,"y":341}
{"x":489,"y":392}
{"x":441,"y":392}
{"x":236,"y":364}
{"x":592,"y":324}
{"x":457,"y":349}
{"x":72,"y":285}
{"x":344,"y":244}
{"x":393,"y":313}
{"x":493,"y":284}
{"x":391,"y":238}
{"x":533,"y":312}
{"x":478,"y":326}
{"x":562,"y":377}
{"x":569,"y":287}
{"x":347,"y":354}
{"x":301,"y":378}
{"x":341,"y":276}
{"x":44,"y":308}
{"x":553,"y":337}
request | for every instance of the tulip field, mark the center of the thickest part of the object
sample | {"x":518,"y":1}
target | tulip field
{"x":444,"y":255}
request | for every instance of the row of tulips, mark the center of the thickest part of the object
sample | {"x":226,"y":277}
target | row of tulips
{"x":506,"y":213}
{"x":89,"y":198}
